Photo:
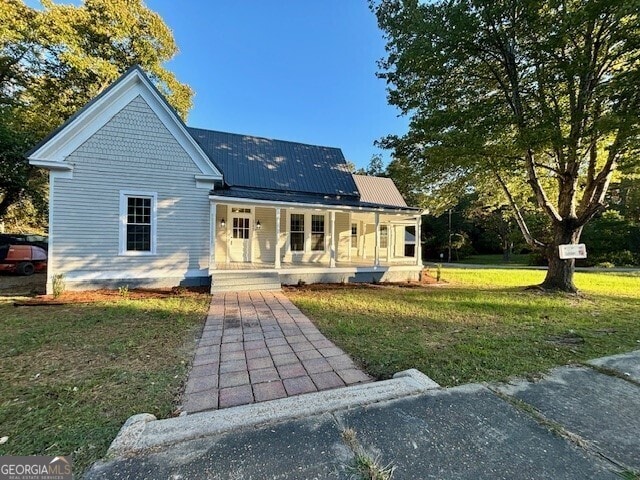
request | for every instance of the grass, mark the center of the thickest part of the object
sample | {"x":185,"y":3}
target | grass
{"x":71,"y":375}
{"x":516,"y":259}
{"x":365,"y":466}
{"x":481,"y":326}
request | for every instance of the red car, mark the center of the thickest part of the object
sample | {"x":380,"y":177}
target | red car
{"x":22,"y":259}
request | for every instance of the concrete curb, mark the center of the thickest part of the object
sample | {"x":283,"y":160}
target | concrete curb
{"x":625,"y":365}
{"x":142,"y":432}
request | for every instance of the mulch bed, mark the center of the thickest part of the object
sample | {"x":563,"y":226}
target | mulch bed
{"x":104,"y":295}
{"x":426,"y":281}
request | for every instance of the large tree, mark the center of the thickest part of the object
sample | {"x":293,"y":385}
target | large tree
{"x":53,"y":60}
{"x":543,"y":92}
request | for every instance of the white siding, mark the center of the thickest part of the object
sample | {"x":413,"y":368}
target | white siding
{"x":222,"y":212}
{"x":133,"y":151}
{"x":343,"y":236}
{"x":264,"y":248}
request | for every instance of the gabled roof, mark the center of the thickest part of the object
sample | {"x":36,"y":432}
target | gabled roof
{"x":379,"y":190}
{"x":277,"y":165}
{"x":57,"y":146}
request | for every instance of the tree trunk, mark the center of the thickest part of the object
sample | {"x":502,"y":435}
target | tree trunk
{"x":506,"y":251}
{"x":560,"y":272}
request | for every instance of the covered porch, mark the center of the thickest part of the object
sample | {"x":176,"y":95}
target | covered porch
{"x":313,"y":242}
{"x":251,"y":235}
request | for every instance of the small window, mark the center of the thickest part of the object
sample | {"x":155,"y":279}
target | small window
{"x":297,"y":232}
{"x":138,"y":224}
{"x":240,"y":210}
{"x":317,"y":233}
{"x":384,"y":236}
{"x":354,"y":235}
{"x":138,"y":218}
{"x":241,"y":228}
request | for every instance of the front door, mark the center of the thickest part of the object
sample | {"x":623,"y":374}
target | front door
{"x":240,"y":242}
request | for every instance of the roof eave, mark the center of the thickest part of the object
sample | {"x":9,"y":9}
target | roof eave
{"x":285,"y":204}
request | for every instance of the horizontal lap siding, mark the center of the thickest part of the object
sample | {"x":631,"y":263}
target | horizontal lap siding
{"x":221,"y":233}
{"x":264,"y":248}
{"x":133,"y":151}
{"x":343,"y":236}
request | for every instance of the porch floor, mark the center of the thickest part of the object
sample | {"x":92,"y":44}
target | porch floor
{"x":258,"y":346}
{"x":310,"y":265}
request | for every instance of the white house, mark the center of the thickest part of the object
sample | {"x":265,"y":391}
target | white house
{"x":139,"y":198}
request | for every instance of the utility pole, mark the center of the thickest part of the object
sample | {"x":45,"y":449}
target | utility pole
{"x":449,"y":258}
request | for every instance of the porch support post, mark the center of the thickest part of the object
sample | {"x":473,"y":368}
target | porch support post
{"x":212,"y":235}
{"x":377,"y":244}
{"x":332,"y":248}
{"x":226,"y":236}
{"x":277,"y":265}
{"x":418,"y":244}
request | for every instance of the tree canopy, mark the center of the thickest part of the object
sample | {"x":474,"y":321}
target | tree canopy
{"x":541,"y":94}
{"x":55,"y":59}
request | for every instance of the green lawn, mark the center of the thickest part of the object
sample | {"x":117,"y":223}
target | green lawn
{"x":482,"y":325}
{"x":515,"y":260}
{"x":71,"y":375}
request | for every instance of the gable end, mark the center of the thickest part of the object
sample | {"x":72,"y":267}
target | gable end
{"x":54,"y":150}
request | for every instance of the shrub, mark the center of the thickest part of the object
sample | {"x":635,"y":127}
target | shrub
{"x":124,"y":291}
{"x":57,"y":284}
{"x":605,"y":265}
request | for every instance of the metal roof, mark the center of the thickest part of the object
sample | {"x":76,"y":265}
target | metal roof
{"x":256,"y":162}
{"x":311,"y":199}
{"x":379,"y":190}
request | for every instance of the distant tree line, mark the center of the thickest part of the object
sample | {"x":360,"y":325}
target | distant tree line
{"x":478,"y":221}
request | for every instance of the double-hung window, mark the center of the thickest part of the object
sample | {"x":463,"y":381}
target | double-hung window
{"x":297,"y":232}
{"x":137,"y":223}
{"x":384,"y":236}
{"x":317,"y":233}
{"x":307,"y":232}
{"x":354,"y":235}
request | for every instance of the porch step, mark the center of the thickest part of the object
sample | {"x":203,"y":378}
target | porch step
{"x":244,"y":280}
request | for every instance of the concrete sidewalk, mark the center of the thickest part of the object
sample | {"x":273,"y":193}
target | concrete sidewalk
{"x":578,"y":422}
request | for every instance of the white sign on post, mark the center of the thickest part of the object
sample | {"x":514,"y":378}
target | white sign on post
{"x":578,"y":250}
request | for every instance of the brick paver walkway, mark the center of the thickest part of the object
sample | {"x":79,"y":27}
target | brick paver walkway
{"x":258,"y":346}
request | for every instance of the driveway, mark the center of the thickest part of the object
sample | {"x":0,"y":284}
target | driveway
{"x":12,"y":284}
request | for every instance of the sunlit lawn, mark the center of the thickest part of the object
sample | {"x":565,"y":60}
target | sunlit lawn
{"x":71,"y":375}
{"x":515,"y":259}
{"x":480,"y":326}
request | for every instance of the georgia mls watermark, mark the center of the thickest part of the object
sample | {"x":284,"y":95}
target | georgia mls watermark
{"x":35,"y":468}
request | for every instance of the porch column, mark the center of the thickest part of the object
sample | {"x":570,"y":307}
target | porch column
{"x":377,"y":243}
{"x":212,"y":235}
{"x":418,"y":244}
{"x":277,"y":265}
{"x":332,"y":248}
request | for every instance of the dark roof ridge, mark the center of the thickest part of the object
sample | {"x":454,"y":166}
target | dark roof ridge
{"x":291,"y":192}
{"x":264,"y":138}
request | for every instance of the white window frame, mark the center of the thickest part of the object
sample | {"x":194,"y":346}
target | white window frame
{"x":352,"y":235}
{"x":124,"y":197}
{"x":387,"y":237}
{"x":307,"y":232}
{"x":324,"y":232}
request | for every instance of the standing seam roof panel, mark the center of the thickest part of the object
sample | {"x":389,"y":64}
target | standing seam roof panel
{"x":255,"y":162}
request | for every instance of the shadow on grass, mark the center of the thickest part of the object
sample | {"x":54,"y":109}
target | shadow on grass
{"x":73,"y":374}
{"x":457,"y":335}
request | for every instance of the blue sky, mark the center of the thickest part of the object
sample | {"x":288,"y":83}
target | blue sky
{"x":296,"y":70}
{"x":287,"y":69}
